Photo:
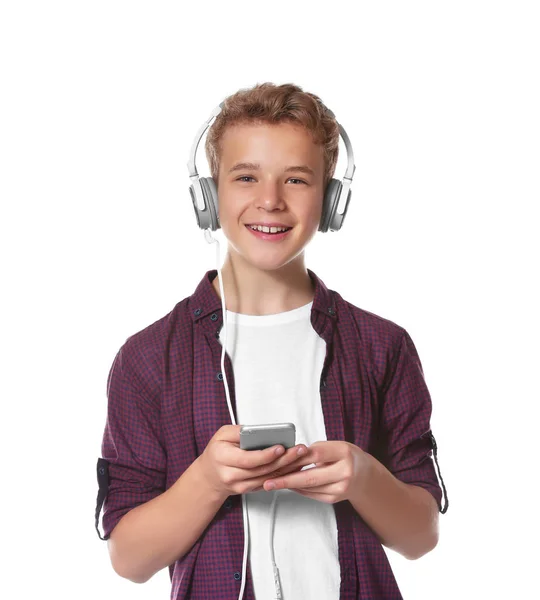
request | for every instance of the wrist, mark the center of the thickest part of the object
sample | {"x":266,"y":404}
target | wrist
{"x":202,"y":479}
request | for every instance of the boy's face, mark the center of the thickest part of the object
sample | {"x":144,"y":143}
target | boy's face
{"x":269,"y":193}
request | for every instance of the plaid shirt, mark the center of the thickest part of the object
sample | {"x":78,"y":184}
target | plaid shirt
{"x":166,"y":399}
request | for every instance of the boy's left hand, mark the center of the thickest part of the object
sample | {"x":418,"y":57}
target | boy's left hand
{"x":339,"y":468}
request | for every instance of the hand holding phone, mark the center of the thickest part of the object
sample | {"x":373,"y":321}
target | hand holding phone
{"x":230,"y":469}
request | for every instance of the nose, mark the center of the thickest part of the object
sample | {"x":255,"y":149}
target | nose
{"x":270,"y":196}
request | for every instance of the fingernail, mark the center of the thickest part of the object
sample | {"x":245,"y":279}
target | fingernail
{"x":301,"y":451}
{"x":279,"y":451}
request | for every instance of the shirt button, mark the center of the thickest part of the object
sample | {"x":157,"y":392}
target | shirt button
{"x":213,"y":316}
{"x":324,"y":382}
{"x":220,"y":376}
{"x":237,"y":575}
{"x":197,"y":312}
{"x":331,"y":311}
{"x":228,"y":503}
{"x":101,"y":471}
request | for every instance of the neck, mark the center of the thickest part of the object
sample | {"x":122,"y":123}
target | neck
{"x":253,"y":291}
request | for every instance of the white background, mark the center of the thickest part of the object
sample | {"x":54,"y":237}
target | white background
{"x":100,"y":102}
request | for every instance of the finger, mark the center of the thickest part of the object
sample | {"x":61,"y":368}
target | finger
{"x":259,"y":480}
{"x":329,"y":451}
{"x":306,"y":479}
{"x":320,"y":497}
{"x":289,"y":460}
{"x":280,"y":468}
{"x":249,"y":459}
{"x":228,"y":433}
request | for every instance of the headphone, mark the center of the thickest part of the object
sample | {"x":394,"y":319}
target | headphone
{"x":204,"y":195}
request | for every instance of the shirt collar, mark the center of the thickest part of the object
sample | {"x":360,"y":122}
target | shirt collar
{"x":205,"y":301}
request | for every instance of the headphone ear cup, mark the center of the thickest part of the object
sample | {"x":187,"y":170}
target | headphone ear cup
{"x":199,"y":214}
{"x":209,"y":217}
{"x":331,"y":197}
{"x":336,"y":220}
{"x":211,"y":200}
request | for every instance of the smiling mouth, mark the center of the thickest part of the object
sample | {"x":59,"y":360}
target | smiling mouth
{"x":269,"y":230}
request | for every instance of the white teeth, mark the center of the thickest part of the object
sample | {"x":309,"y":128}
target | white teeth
{"x":268,"y":229}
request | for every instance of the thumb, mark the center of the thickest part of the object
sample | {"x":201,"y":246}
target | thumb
{"x":229,"y":433}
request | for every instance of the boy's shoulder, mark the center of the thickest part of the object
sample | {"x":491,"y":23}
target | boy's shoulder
{"x":377,"y":340}
{"x":144,"y":352}
{"x":352,"y":319}
{"x":368,"y":325}
{"x":154,"y":337}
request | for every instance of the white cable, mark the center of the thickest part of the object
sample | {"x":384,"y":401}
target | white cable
{"x":277,"y":582}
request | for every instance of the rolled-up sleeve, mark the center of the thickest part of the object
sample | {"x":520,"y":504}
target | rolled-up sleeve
{"x":132,"y":440}
{"x":405,"y":431}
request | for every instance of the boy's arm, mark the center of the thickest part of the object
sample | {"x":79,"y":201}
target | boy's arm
{"x":405,"y":517}
{"x":156,"y":534}
{"x":400,"y":496}
{"x":147,"y":526}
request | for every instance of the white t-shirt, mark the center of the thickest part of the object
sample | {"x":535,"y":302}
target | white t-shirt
{"x":277,"y":362}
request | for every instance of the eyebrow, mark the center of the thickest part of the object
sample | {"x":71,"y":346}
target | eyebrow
{"x":255,"y":167}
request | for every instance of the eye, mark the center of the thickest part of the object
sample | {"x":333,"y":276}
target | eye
{"x":243,"y":177}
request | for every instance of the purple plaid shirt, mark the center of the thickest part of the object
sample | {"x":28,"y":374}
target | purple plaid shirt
{"x":166,"y":399}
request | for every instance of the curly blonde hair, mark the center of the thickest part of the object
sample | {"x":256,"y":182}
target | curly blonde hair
{"x":271,"y":103}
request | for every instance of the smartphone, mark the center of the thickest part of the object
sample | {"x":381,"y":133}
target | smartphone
{"x":259,"y":437}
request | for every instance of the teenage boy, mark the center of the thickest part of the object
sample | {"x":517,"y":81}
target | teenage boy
{"x":351,"y":382}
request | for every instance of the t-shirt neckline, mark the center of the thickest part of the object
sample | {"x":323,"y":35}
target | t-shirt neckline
{"x":287,"y":316}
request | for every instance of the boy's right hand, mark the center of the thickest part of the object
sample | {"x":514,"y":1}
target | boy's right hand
{"x":230,"y":470}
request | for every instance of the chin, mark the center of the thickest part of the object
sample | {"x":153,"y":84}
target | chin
{"x":270,"y":262}
{"x":266,"y":256}
{"x":264,"y":263}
